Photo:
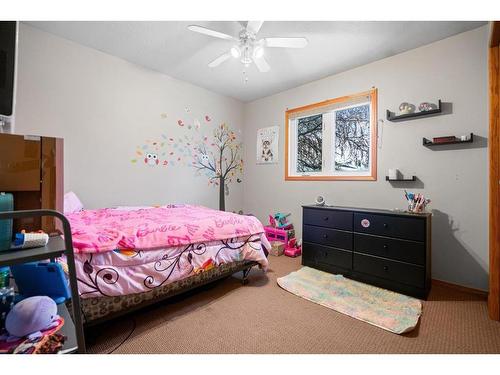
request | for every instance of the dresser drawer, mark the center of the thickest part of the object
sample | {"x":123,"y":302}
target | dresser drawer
{"x":328,"y":218}
{"x":324,"y":255}
{"x":328,"y":237}
{"x":403,"y":250}
{"x":388,"y":269}
{"x":390,"y":226}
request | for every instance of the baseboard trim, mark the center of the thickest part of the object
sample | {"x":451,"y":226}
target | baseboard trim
{"x":461,"y":288}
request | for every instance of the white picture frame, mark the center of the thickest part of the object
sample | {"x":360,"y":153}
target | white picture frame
{"x":268,"y":145}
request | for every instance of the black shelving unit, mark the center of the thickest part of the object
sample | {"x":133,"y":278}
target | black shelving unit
{"x":391,"y":116}
{"x":57,"y":246}
{"x":402,"y":179}
{"x":428,"y":143}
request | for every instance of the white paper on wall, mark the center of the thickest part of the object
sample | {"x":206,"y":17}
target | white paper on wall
{"x":267,"y":145}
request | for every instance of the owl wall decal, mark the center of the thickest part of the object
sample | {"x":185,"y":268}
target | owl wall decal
{"x":151,"y":159}
{"x":150,"y":153}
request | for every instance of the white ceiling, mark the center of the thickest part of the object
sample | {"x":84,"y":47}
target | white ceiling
{"x":170,"y":48}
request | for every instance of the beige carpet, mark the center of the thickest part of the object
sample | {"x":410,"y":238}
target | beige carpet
{"x":263,"y":318}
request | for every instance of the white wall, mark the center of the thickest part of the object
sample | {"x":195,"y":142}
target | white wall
{"x":105,"y":107}
{"x":454,"y":70}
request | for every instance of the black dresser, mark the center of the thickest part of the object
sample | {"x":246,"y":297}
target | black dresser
{"x":385,"y":248}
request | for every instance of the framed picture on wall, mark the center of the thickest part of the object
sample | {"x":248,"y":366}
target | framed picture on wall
{"x":267,"y":145}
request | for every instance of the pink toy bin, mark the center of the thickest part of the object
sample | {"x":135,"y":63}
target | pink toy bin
{"x":281,"y":235}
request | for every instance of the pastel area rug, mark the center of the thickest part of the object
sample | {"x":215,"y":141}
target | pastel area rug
{"x":392,"y":311}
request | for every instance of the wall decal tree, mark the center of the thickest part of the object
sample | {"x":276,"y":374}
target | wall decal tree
{"x":213,"y":152}
{"x":216,"y":156}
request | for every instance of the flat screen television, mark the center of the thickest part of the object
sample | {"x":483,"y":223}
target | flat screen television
{"x":7,"y":66}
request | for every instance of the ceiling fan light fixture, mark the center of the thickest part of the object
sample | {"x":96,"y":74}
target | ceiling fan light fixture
{"x":258,"y":52}
{"x":247,"y":47}
{"x":235,"y":52}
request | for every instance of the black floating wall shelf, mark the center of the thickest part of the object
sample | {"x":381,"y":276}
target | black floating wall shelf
{"x":428,"y":143}
{"x":403,"y":179}
{"x":391,"y":116}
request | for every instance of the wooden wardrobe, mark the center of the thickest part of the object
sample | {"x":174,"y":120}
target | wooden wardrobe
{"x":31,"y":168}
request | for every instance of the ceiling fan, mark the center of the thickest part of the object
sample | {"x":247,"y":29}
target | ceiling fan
{"x":247,"y":47}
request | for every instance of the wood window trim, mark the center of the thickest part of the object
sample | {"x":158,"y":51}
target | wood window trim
{"x":373,"y":141}
{"x":494,"y":173}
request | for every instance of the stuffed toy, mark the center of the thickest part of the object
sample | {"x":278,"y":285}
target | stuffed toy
{"x":31,"y":316}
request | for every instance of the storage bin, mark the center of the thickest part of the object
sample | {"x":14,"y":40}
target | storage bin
{"x":281,"y":235}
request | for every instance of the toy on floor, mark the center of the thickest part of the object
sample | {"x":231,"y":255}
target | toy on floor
{"x":31,"y":316}
{"x":277,"y":248}
{"x":281,"y":235}
{"x":280,"y":220}
{"x":293,"y":248}
{"x":33,"y":239}
{"x":281,"y":230}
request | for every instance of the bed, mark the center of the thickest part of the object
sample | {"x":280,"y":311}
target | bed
{"x":130,"y":257}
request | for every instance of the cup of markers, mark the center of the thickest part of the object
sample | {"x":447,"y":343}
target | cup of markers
{"x":416,"y":202}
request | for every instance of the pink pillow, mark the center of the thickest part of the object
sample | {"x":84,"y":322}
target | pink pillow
{"x":71,"y":203}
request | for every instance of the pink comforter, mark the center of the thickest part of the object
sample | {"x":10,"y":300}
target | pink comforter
{"x":96,"y":231}
{"x":123,"y":272}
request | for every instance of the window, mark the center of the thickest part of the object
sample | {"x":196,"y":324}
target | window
{"x":333,"y":140}
{"x":310,"y":144}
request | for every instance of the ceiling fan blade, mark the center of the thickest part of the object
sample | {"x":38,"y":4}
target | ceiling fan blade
{"x":286,"y":42}
{"x":262,"y":64}
{"x":254,"y":26}
{"x":210,"y":32}
{"x":219,"y":60}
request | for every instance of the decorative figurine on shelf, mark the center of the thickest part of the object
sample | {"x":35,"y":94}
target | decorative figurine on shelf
{"x":425,"y":106}
{"x":465,"y":138}
{"x":293,"y":248}
{"x":406,"y":108}
{"x":280,"y":220}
